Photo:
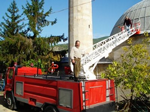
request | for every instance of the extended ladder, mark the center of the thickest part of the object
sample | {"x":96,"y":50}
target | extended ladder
{"x":102,"y":49}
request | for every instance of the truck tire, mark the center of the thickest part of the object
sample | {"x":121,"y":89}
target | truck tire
{"x":50,"y":109}
{"x":1,"y":89}
{"x":9,"y":101}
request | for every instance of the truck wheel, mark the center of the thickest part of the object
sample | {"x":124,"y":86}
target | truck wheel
{"x":50,"y":109}
{"x":1,"y":89}
{"x":9,"y":101}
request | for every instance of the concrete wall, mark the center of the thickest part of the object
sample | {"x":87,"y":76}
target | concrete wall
{"x":80,"y":23}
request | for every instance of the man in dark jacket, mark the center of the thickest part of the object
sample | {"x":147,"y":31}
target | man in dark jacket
{"x":127,"y":23}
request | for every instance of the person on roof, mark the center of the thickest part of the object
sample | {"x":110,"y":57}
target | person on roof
{"x":127,"y":23}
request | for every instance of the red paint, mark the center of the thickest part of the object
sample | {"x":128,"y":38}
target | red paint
{"x":122,"y":28}
{"x":28,"y":71}
{"x":138,"y":31}
{"x":112,"y":90}
{"x":41,"y":90}
{"x":96,"y":92}
{"x":53,"y":67}
{"x":67,"y":70}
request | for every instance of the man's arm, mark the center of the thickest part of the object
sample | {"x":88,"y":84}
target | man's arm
{"x":124,"y":22}
{"x":131,"y":23}
{"x":72,"y":55}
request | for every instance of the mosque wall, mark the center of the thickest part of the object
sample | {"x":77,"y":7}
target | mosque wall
{"x":117,"y":52}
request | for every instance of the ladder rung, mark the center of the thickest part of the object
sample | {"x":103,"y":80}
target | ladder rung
{"x":110,"y":95}
{"x":85,"y":100}
{"x":85,"y":91}
{"x":109,"y":88}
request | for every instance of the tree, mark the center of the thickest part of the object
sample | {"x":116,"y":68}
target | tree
{"x":10,"y":30}
{"x":42,"y":46}
{"x":37,"y":17}
{"x":12,"y":25}
{"x":18,"y":44}
{"x":132,"y":71}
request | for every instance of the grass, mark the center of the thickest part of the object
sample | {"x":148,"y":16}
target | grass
{"x":99,"y":39}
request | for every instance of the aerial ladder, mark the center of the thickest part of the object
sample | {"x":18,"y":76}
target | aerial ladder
{"x":102,"y":49}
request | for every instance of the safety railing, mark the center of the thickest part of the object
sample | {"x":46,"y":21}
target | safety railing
{"x":103,"y":48}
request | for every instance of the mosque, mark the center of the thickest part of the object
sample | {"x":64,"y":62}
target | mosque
{"x":80,"y":27}
{"x":138,"y":12}
{"x":141,"y":12}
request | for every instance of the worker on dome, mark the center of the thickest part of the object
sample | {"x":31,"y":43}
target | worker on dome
{"x":127,"y":23}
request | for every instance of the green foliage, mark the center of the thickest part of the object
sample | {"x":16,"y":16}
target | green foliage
{"x":11,"y":45}
{"x":12,"y":24}
{"x":16,"y":49}
{"x":25,"y":45}
{"x":28,"y":63}
{"x":36,"y":63}
{"x":132,"y":71}
{"x":99,"y":39}
{"x":61,"y":47}
{"x":37,"y":17}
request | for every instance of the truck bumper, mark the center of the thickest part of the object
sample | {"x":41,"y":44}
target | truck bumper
{"x":104,"y":107}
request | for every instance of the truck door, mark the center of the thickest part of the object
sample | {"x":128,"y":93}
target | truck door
{"x":10,"y":77}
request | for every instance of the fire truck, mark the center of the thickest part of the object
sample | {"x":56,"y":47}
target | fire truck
{"x":61,"y":93}
{"x":57,"y":93}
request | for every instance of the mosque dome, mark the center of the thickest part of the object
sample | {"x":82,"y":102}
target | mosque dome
{"x":138,"y":12}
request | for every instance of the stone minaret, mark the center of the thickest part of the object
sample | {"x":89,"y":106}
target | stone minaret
{"x":80,"y":23}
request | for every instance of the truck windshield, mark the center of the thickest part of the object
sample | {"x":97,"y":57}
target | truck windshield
{"x":10,"y":73}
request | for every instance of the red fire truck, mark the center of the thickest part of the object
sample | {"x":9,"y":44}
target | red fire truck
{"x":57,"y":93}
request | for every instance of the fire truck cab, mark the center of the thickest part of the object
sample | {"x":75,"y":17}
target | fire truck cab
{"x":57,"y":93}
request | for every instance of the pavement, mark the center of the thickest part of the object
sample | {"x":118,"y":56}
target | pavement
{"x":3,"y":105}
{"x":1,"y":93}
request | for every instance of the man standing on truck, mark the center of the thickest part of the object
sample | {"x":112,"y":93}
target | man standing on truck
{"x":75,"y":56}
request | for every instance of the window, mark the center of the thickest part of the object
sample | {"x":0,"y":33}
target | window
{"x":19,"y":88}
{"x":65,"y":98}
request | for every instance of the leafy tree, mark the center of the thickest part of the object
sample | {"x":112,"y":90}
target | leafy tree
{"x":132,"y":71}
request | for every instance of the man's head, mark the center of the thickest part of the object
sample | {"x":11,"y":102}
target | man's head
{"x":127,"y":17}
{"x":77,"y":43}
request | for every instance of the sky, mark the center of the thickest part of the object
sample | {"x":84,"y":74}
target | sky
{"x":105,"y":14}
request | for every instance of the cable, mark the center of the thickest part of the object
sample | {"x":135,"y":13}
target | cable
{"x":72,"y":7}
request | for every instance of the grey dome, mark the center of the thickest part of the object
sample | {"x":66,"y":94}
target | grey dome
{"x":139,"y":11}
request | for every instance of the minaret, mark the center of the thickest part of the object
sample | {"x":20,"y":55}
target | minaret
{"x":80,"y":23}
